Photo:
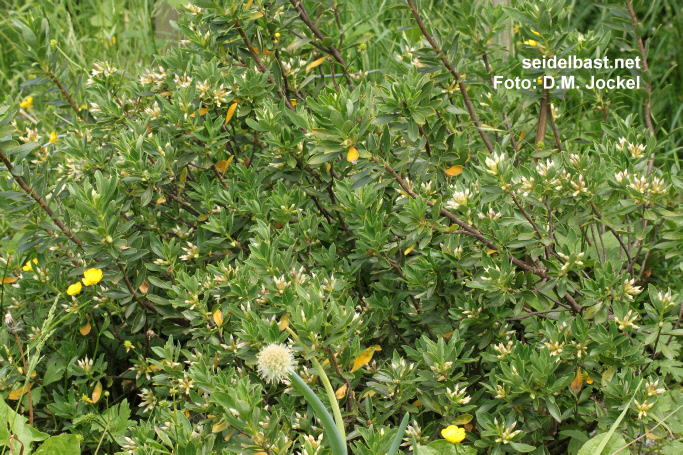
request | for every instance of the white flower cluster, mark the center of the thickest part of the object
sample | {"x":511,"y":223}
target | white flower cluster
{"x":458,"y":199}
{"x":99,"y":70}
{"x":636,"y":150}
{"x":154,"y":78}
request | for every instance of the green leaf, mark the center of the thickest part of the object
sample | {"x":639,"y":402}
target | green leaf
{"x":13,"y":423}
{"x":443,"y":447}
{"x":64,"y":444}
{"x":520,"y":447}
{"x":592,"y":447}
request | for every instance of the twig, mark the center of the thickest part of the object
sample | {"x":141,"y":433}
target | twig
{"x":262,"y":68}
{"x":23,"y":361}
{"x":456,"y":75}
{"x":41,"y":202}
{"x":535,"y":313}
{"x":649,"y":431}
{"x":66,"y":95}
{"x":641,"y":47}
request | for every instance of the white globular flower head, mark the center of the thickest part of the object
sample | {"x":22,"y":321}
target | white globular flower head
{"x":275,"y":362}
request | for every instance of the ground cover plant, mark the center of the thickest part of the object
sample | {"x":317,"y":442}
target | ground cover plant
{"x":316,"y":228}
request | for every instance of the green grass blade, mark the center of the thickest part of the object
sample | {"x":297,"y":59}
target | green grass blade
{"x":336,"y":442}
{"x":399,"y":436}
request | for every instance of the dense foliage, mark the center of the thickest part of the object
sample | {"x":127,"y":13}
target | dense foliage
{"x":507,"y":261}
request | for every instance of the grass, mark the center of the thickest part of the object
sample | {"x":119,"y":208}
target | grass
{"x":125,"y":32}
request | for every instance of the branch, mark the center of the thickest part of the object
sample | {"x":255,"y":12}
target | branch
{"x":330,"y":50}
{"x":535,"y":313}
{"x":469,"y":230}
{"x":66,"y":95}
{"x":505,"y":117}
{"x":41,"y":202}
{"x":641,"y":47}
{"x":456,"y":75}
{"x":262,"y":68}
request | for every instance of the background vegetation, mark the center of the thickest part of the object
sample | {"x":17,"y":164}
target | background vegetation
{"x":261,"y":172}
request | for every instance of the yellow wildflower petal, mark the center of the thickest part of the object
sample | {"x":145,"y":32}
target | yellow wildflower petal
{"x":74,"y":289}
{"x":453,"y":434}
{"x":26,"y":103}
{"x":92,"y":276}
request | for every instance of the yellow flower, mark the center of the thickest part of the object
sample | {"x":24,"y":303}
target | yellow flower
{"x":28,"y":266}
{"x":588,"y":379}
{"x":531,"y":42}
{"x":453,"y":434}
{"x":53,"y":137}
{"x":74,"y":289}
{"x":27,"y":103}
{"x":92,"y":276}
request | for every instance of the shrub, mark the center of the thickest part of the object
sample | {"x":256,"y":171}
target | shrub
{"x":505,"y":261}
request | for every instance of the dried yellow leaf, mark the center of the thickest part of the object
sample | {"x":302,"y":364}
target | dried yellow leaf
{"x":231,"y":110}
{"x":183,"y":175}
{"x":144,"y":287}
{"x":453,"y":171}
{"x":220,"y":426}
{"x":218,"y":317}
{"x":577,"y":383}
{"x":363,"y":359}
{"x":97,"y":393}
{"x":14,"y":395}
{"x":223,"y":165}
{"x":315,"y":63}
{"x":652,"y":435}
{"x":284,"y":322}
{"x":462,"y":419}
{"x":352,"y":156}
{"x":9,"y":279}
{"x":341,"y":393}
{"x":85,"y":329}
